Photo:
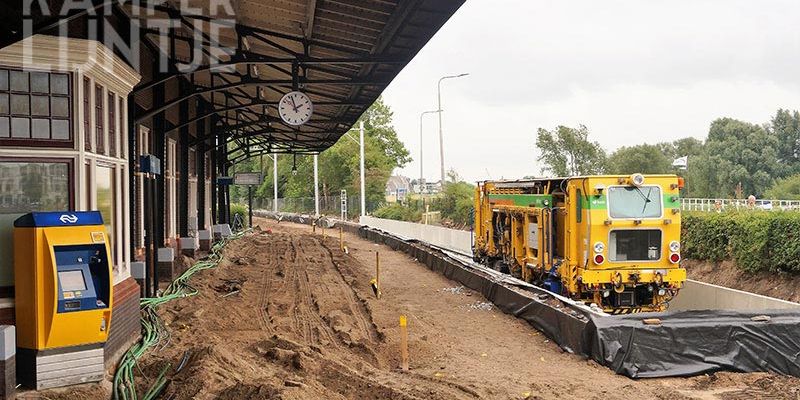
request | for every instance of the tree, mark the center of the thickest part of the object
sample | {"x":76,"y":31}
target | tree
{"x":785,"y":189}
{"x":378,"y":123}
{"x":453,"y":176}
{"x":689,"y":146}
{"x":643,"y":158}
{"x":567,"y":151}
{"x":736,"y":151}
{"x":785,"y":125}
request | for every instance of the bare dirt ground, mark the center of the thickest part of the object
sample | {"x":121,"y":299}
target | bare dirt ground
{"x":773,"y":284}
{"x":287,"y":315}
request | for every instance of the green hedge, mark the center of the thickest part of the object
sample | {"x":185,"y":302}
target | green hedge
{"x":755,"y":240}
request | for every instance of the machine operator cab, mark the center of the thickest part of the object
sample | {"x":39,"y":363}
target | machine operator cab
{"x":64,"y":290}
{"x":632,"y":241}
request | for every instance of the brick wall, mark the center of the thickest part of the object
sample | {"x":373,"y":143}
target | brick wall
{"x":126,"y":324}
{"x":7,"y":305}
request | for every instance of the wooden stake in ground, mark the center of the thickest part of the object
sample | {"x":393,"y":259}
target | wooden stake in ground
{"x":341,"y":240}
{"x":378,"y":273}
{"x":404,"y":342}
{"x":314,"y":227}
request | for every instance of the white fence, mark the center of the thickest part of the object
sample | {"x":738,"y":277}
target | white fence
{"x":691,"y":204}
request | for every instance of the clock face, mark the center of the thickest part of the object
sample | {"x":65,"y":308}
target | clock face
{"x":295,"y":108}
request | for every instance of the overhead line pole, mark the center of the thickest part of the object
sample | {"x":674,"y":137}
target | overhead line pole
{"x":316,"y":185}
{"x":361,"y":152}
{"x":275,"y":182}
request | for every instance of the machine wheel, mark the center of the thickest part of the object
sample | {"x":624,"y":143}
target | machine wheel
{"x":500,"y":266}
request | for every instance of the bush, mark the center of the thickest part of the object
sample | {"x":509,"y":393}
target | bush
{"x":456,"y":203}
{"x":707,"y":236}
{"x":755,"y":240}
{"x":240,"y":209}
{"x":785,"y":189}
{"x":398,"y":212}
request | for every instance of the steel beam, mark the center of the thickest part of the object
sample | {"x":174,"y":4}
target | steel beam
{"x":55,"y":22}
{"x":160,"y":150}
{"x":183,"y":189}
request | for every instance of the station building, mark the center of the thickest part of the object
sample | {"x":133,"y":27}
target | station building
{"x":192,"y":86}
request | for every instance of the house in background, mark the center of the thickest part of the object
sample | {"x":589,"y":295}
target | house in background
{"x":397,"y":188}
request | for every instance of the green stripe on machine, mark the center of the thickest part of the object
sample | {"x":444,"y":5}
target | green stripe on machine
{"x":593,"y":202}
{"x":587,"y":202}
{"x":670,"y":203}
{"x":523,"y":200}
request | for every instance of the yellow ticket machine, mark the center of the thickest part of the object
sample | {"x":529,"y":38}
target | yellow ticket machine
{"x":63,"y":297}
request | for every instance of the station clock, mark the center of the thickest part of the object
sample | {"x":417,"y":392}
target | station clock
{"x":295,"y":108}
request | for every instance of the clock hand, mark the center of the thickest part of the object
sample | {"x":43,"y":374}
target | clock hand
{"x":294,"y":106}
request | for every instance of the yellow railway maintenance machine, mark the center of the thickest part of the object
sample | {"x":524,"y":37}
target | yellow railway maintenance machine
{"x":613,"y":241}
{"x":63,"y":287}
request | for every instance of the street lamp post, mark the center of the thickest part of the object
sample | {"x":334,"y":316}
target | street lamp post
{"x":441,"y":140}
{"x":421,"y":146}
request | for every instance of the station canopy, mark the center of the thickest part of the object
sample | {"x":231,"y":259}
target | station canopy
{"x":341,"y":53}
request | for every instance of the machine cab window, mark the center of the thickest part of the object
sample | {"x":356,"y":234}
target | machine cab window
{"x":635,"y":202}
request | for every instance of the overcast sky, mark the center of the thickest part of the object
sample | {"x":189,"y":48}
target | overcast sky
{"x":631,"y":71}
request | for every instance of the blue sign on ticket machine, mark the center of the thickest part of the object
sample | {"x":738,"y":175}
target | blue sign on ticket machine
{"x":63,"y":288}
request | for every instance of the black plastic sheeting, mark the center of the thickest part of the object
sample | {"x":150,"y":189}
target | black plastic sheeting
{"x":696,"y":342}
{"x":685,"y":343}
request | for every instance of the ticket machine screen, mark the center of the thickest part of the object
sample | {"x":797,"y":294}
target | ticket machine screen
{"x":72,"y":280}
{"x":82,"y":275}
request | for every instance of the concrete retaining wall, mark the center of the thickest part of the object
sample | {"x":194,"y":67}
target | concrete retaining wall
{"x":705,"y":296}
{"x":451,"y":239}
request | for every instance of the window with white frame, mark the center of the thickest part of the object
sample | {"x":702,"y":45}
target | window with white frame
{"x":35,"y":108}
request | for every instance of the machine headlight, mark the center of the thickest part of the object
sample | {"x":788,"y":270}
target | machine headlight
{"x":599,"y":247}
{"x":662,"y":292}
{"x":674,"y":246}
{"x":606,"y":293}
{"x":637,"y":179}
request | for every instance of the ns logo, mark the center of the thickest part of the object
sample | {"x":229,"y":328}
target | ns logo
{"x":68,"y":218}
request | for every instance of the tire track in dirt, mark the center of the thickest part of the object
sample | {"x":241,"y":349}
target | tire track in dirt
{"x":304,"y":304}
{"x":355,"y":302}
{"x":340,"y":287}
{"x":266,"y":286}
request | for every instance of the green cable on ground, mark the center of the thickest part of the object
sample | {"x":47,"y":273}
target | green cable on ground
{"x":153,"y":331}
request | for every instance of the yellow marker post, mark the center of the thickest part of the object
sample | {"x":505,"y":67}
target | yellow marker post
{"x":404,"y":342}
{"x":378,"y":272}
